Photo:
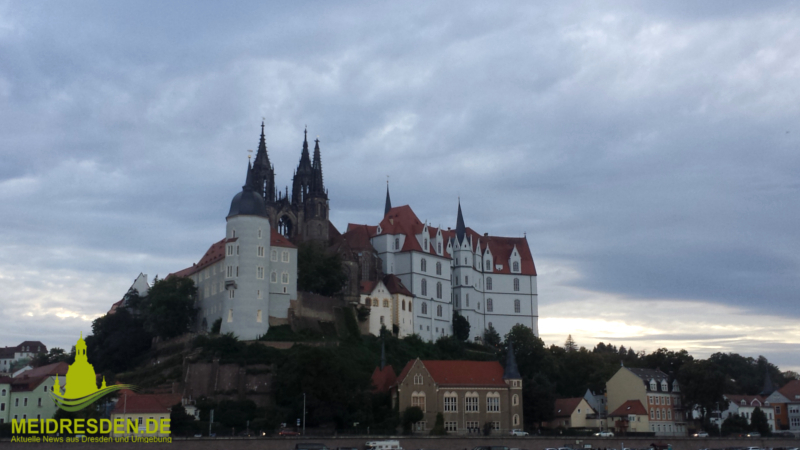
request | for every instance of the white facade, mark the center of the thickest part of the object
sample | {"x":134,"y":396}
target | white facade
{"x":388,"y":309}
{"x":744,"y":405}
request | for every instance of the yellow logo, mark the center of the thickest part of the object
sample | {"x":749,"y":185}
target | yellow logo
{"x":81,"y":384}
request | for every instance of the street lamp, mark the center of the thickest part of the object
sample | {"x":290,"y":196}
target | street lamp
{"x":304,"y":413}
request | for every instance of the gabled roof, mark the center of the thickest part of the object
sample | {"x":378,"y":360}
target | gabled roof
{"x":395,"y":285}
{"x":650,"y":374}
{"x":791,"y":390}
{"x":33,"y":346}
{"x":629,"y":407}
{"x":384,"y":379}
{"x":460,"y":373}
{"x":357,"y":238}
{"x":131,"y":403}
{"x":7,"y":352}
{"x":31,"y":379}
{"x":501,"y":248}
{"x":366,"y":287}
{"x":564,"y":407}
{"x":750,"y":400}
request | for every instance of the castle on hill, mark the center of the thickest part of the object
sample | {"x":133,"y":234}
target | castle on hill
{"x":248,"y":279}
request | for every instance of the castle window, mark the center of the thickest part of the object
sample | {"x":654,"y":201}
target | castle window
{"x":515,"y":400}
{"x":471,"y":402}
{"x":261,"y":251}
{"x":516,"y":284}
{"x":258,"y":316}
{"x":404,"y":305}
{"x":517,"y":306}
{"x":439,"y":248}
{"x":466,"y":300}
{"x":424,"y":308}
{"x":230,"y":250}
{"x":397,"y":243}
{"x":285,"y":278}
{"x":409,"y":306}
{"x":385,"y":303}
{"x":493,"y":402}
{"x":423,"y":265}
{"x":285,"y":256}
{"x":273,"y":255}
{"x":450,"y":402}
{"x":488,"y":283}
{"x":515,"y":266}
{"x":231,"y":293}
{"x":230,"y":315}
{"x":259,"y":233}
{"x":439,"y":310}
{"x":273,"y":277}
{"x":424,"y":287}
{"x":466,"y":279}
{"x":516,"y":419}
{"x":439,"y":290}
{"x":260,"y":273}
{"x":438,"y":268}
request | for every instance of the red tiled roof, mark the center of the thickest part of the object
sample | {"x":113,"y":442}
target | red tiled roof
{"x":501,"y":248}
{"x":59,"y":368}
{"x":277,"y":240}
{"x":564,"y":407}
{"x":131,"y":403}
{"x":396,"y":286}
{"x":33,"y":345}
{"x":461,"y":373}
{"x":791,"y":390}
{"x":332,"y":231}
{"x":367,"y":286}
{"x":384,"y":379}
{"x":358,"y":238}
{"x":629,"y":407}
{"x":115,"y":306}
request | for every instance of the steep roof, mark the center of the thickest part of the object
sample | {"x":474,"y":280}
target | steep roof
{"x":650,"y":374}
{"x":501,"y":248}
{"x":357,"y":238}
{"x":384,"y":379}
{"x":277,"y":240}
{"x":7,"y":352}
{"x":367,"y":286}
{"x":395,"y":285}
{"x":460,"y":373}
{"x":791,"y":390}
{"x":35,"y":346}
{"x":629,"y":407}
{"x":131,"y":403}
{"x":750,"y":400}
{"x":31,"y":379}
{"x":564,"y":407}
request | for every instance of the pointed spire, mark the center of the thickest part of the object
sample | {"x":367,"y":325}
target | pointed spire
{"x":769,"y":387}
{"x":388,"y":201}
{"x":317,"y":166}
{"x":511,"y":363}
{"x":248,"y":183}
{"x":461,"y":230}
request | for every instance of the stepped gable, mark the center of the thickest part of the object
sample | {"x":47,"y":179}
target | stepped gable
{"x":461,"y":373}
{"x":564,"y":407}
{"x":501,"y":248}
{"x":629,"y":407}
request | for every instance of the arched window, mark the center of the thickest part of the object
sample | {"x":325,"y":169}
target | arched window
{"x":368,"y":302}
{"x":425,"y":246}
{"x":385,"y":303}
{"x":517,"y":306}
{"x":653,"y":386}
{"x":488,"y":265}
{"x":4,"y":393}
{"x":658,"y":414}
{"x":439,"y":290}
{"x":516,"y":419}
{"x":273,"y":277}
{"x":515,"y":266}
{"x":450,"y":402}
{"x":374,"y":302}
{"x":424,"y":308}
{"x":423,"y":265}
{"x":652,"y":414}
{"x":424,"y":286}
{"x":404,"y":305}
{"x":418,"y":399}
{"x":438,"y":267}
{"x":515,"y":400}
{"x":471,"y":402}
{"x":409,"y":305}
{"x":418,"y":379}
{"x":439,"y":248}
{"x":669,"y":414}
{"x":466,"y":280}
{"x":493,"y":402}
{"x":516,"y":284}
{"x":664,"y":386}
{"x":489,"y":305}
{"x":439,"y":310}
{"x":488,"y":283}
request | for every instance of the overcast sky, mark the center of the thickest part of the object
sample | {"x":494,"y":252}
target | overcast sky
{"x":649,"y":151}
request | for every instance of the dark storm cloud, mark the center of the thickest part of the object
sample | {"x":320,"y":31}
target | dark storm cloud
{"x":654,"y":147}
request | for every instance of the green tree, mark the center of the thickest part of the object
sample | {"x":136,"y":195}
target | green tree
{"x":56,"y":354}
{"x":170,"y":306}
{"x":569,"y":345}
{"x":319,"y":272}
{"x":759,"y":422}
{"x":117,"y":342}
{"x":460,"y":326}
{"x":491,"y":337}
{"x":702,"y":385}
{"x":411,"y":415}
{"x":438,"y":427}
{"x":735,"y":424}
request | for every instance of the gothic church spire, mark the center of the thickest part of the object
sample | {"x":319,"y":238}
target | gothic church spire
{"x":388,"y":201}
{"x":461,"y":230}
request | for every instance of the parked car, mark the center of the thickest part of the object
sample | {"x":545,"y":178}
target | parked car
{"x":519,"y":433}
{"x":753,"y":434}
{"x":605,"y":434}
{"x":700,"y":434}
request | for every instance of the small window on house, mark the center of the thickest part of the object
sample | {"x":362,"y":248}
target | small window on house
{"x":259,"y":233}
{"x":488,"y":283}
{"x":404,"y":305}
{"x":261,"y":251}
{"x":515,"y":266}
{"x":466,"y":279}
{"x":516,"y":284}
{"x":385,"y":303}
{"x":489,"y":305}
{"x":438,"y":268}
{"x":424,"y":288}
{"x":285,"y":256}
{"x":426,"y":245}
{"x":231,"y":292}
{"x":439,"y":290}
{"x":273,"y":255}
{"x":517,"y":306}
{"x":424,"y":308}
{"x":466,"y":300}
{"x":418,"y":379}
{"x":230,"y":315}
{"x":423,"y":265}
{"x":260,"y":273}
{"x":285,"y":278}
{"x":273,"y":277}
{"x":397,"y":243}
{"x":439,"y":310}
{"x":439,"y":248}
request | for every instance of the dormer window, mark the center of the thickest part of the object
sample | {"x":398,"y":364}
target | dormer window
{"x":439,"y":248}
{"x":652,"y":385}
{"x":397,"y":243}
{"x":515,"y":266}
{"x":664,"y":385}
{"x":744,"y":403}
{"x":426,"y":245}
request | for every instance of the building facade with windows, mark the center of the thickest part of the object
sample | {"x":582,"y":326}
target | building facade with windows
{"x":467,"y":393}
{"x":574,"y":413}
{"x":744,"y":405}
{"x":391,"y":306}
{"x":25,"y":350}
{"x":786,"y":404}
{"x":27,"y":396}
{"x":656,"y":391}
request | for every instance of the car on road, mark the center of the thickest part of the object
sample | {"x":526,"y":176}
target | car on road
{"x":700,"y":434}
{"x":519,"y":433}
{"x":605,"y":434}
{"x":753,"y":434}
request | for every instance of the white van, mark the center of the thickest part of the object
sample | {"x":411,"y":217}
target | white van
{"x":384,"y":445}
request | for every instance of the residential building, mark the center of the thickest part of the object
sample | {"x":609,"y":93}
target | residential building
{"x":145,"y":410}
{"x":25,"y":350}
{"x":791,"y":391}
{"x":467,"y":393}
{"x":598,"y":402}
{"x":390,"y":304}
{"x":27,"y":396}
{"x":573,"y":413}
{"x":744,"y":405}
{"x":658,"y":392}
{"x":630,"y":417}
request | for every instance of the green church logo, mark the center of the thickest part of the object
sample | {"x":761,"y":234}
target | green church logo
{"x":81,"y":384}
